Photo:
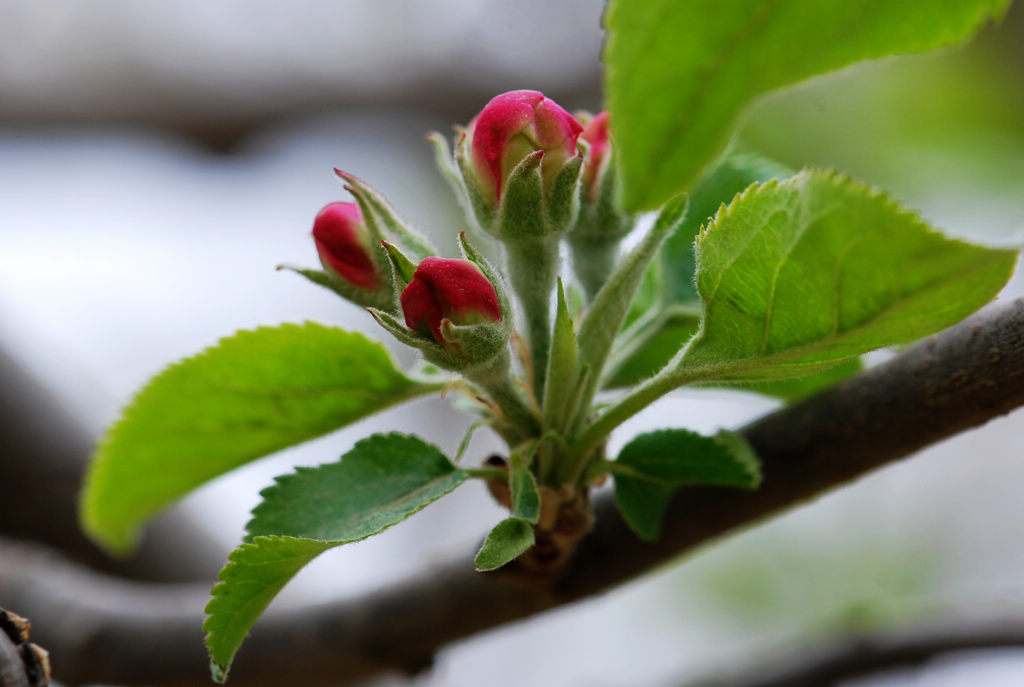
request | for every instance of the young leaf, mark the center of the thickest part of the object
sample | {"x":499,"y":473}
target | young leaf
{"x":716,"y":188}
{"x":796,"y":276}
{"x":525,"y":497}
{"x":672,"y":275}
{"x":380,"y":482}
{"x":604,"y":319}
{"x":254,"y":575}
{"x":252,"y":394}
{"x":652,"y":466}
{"x":506,"y":542}
{"x":563,"y":366}
{"x":680,"y":73}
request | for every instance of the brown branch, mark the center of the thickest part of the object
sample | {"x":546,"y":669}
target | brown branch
{"x":868,"y":654}
{"x":110,"y":631}
{"x":43,"y":454}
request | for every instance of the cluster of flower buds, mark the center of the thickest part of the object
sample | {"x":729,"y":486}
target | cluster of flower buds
{"x":530,"y":174}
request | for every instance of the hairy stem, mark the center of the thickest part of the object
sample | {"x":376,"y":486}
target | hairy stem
{"x":533,"y":272}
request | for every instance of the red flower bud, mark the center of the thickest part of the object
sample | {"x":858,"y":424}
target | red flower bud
{"x":514,"y":125}
{"x":442,"y":289}
{"x":341,"y":240}
{"x":595,"y":133}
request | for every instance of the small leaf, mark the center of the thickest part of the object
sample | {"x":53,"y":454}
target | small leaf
{"x":380,"y":482}
{"x":679,"y":74}
{"x":796,"y":276}
{"x":653,"y":465}
{"x":563,"y":366}
{"x":525,"y":496}
{"x":673,"y":273}
{"x":509,"y":539}
{"x":252,"y":394}
{"x":254,"y":575}
{"x":718,"y":187}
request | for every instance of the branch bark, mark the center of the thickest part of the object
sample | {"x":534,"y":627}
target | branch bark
{"x":43,"y":454}
{"x":104,"y":630}
{"x":869,"y":654}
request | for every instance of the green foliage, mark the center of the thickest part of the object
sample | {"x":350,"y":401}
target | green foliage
{"x":253,"y":393}
{"x":254,"y":575}
{"x":799,"y":275}
{"x":509,"y":539}
{"x":380,"y":482}
{"x":669,"y":285}
{"x":514,"y":535}
{"x":523,"y":486}
{"x":679,"y":74}
{"x":652,"y":466}
{"x":718,"y":187}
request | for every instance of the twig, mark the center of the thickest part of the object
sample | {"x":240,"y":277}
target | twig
{"x":43,"y":453}
{"x":867,"y":654}
{"x":103,"y":630}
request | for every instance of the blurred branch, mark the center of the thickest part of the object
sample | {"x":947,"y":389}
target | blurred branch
{"x":100,"y":629}
{"x":867,"y":654}
{"x":43,"y":454}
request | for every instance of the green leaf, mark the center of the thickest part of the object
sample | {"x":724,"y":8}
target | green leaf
{"x":669,"y":285}
{"x":718,"y":187}
{"x":252,"y":394}
{"x":652,"y":466}
{"x":525,"y":496}
{"x":380,"y":482}
{"x":506,"y":542}
{"x":563,"y":367}
{"x":796,"y":388}
{"x":679,"y":74}
{"x":254,"y":575}
{"x":799,"y":275}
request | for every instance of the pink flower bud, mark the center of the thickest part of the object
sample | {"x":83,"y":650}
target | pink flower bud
{"x":514,"y":125}
{"x":595,"y":133}
{"x":341,"y":240}
{"x":444,"y":289}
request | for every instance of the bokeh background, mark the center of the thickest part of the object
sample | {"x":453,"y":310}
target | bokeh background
{"x":158,"y":160}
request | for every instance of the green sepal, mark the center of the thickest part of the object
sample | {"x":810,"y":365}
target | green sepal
{"x":402,"y":268}
{"x":378,"y":298}
{"x":521,"y":215}
{"x":446,"y":166}
{"x":563,"y":202}
{"x":497,"y":279}
{"x":382,"y":219}
{"x":484,"y":208}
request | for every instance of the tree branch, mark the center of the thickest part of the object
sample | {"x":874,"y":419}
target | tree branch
{"x":867,"y":654}
{"x":103,"y":630}
{"x":43,"y":454}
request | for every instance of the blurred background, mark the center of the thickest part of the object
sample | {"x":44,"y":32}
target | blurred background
{"x":158,"y":160}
